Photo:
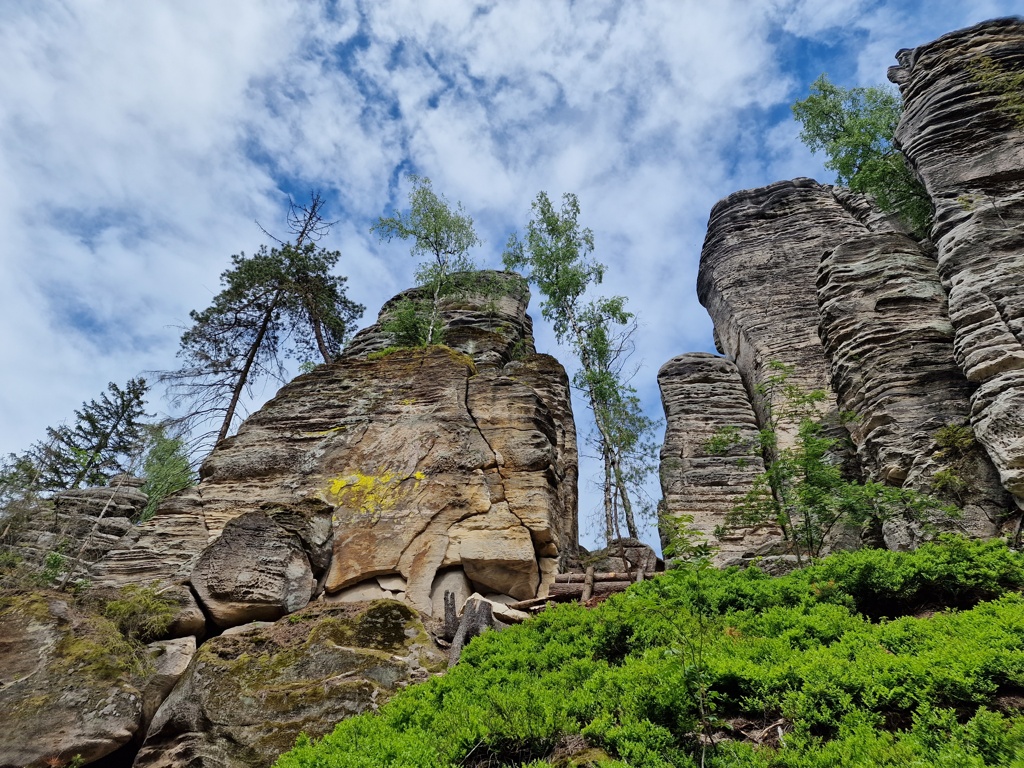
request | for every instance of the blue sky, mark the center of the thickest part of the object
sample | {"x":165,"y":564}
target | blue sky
{"x":139,"y":142}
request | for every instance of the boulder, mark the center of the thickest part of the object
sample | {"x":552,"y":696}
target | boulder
{"x":255,"y":571}
{"x":70,"y":684}
{"x":170,"y":659}
{"x":247,"y":695}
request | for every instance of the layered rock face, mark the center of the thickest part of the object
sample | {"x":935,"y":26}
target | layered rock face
{"x":84,"y":524}
{"x":887,"y":334}
{"x":384,"y":475}
{"x":705,"y":400}
{"x":757,"y":275}
{"x":964,"y":140}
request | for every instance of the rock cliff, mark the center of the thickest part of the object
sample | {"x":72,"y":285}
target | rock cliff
{"x":917,"y":344}
{"x":704,"y":397}
{"x":887,"y":335}
{"x":965,"y":142}
{"x":758,"y":268}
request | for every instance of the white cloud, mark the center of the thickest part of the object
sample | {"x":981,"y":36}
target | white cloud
{"x":139,"y":141}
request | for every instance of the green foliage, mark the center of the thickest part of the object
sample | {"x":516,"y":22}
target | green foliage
{"x":380,"y":354}
{"x":281,"y":302}
{"x":141,"y":613}
{"x":53,"y":567}
{"x":166,"y":468}
{"x":722,"y":441}
{"x":408,"y":322}
{"x":103,"y":441}
{"x":803,"y":489}
{"x":956,"y":448}
{"x":556,"y":257}
{"x":950,"y":485}
{"x":855,"y":128}
{"x":1006,"y":85}
{"x":647,"y":676}
{"x":954,"y":440}
{"x":443,"y":235}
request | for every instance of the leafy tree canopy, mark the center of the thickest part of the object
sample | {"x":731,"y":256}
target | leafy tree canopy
{"x":854,"y":127}
{"x":556,"y":257}
{"x":442,"y":235}
{"x":166,"y":467}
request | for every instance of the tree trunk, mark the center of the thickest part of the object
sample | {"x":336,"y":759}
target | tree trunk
{"x":627,"y":506}
{"x":250,"y":358}
{"x":318,"y":333}
{"x":609,"y":515}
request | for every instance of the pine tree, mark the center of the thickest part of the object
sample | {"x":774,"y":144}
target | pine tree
{"x":100,"y":443}
{"x":281,"y":302}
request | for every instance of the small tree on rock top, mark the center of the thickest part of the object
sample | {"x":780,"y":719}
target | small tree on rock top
{"x":443,"y":235}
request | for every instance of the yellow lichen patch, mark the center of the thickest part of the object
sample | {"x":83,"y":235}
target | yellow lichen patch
{"x":371,"y":494}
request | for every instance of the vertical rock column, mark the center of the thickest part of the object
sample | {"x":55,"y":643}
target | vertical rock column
{"x":966,"y":144}
{"x":704,"y":398}
{"x":887,"y":334}
{"x":757,"y":277}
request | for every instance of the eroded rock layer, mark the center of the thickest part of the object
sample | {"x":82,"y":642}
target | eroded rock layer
{"x":83,"y":525}
{"x":711,"y":454}
{"x":961,"y":129}
{"x":758,"y":269}
{"x":887,"y":335}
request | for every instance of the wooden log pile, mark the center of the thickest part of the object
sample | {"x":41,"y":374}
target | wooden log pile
{"x":581,"y":587}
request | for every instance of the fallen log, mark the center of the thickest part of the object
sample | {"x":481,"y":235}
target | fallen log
{"x":579,"y":578}
{"x":600,"y":588}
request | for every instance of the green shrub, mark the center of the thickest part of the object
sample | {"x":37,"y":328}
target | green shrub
{"x":809,"y":651}
{"x":141,"y":613}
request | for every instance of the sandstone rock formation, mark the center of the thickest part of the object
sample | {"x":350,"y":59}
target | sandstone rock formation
{"x":250,"y":692}
{"x":782,"y":262}
{"x":758,"y":269}
{"x":69,"y":683}
{"x":887,"y":334}
{"x":704,"y":398}
{"x":83,"y":524}
{"x":382,"y":473}
{"x":964,"y":141}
